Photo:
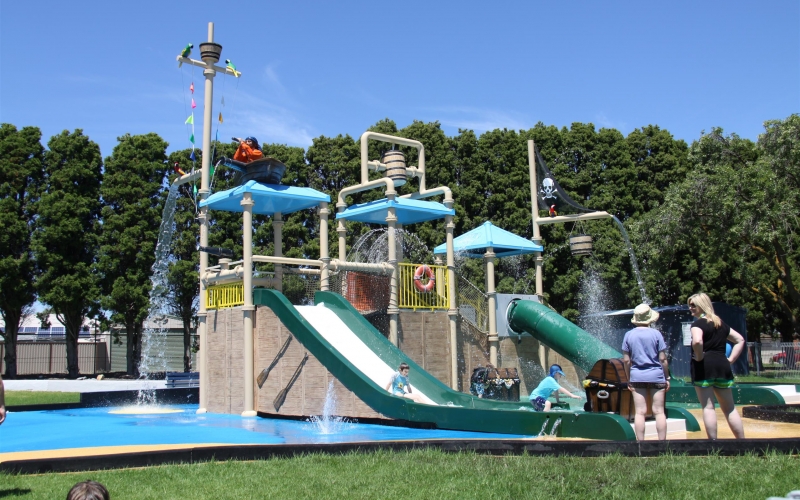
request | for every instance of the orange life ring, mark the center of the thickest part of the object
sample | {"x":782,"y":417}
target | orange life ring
{"x":426,"y":271}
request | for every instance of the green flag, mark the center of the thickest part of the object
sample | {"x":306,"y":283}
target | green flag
{"x":190,"y":120}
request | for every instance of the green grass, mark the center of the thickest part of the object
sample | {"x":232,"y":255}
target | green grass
{"x":20,"y":398}
{"x":437,"y":475}
{"x":768,"y":378}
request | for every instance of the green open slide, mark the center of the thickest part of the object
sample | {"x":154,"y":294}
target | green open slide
{"x":582,"y":349}
{"x":453,"y":409}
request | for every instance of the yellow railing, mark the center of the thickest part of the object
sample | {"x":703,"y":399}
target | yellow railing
{"x":423,"y":293}
{"x":222,"y":296}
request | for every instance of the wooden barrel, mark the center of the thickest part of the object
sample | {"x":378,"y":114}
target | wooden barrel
{"x":580,"y":244}
{"x":395,"y":162}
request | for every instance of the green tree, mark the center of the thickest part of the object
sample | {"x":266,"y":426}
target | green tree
{"x":21,"y":174}
{"x":131,"y":213}
{"x":731,"y":227}
{"x":65,"y":240}
{"x":183,"y":277}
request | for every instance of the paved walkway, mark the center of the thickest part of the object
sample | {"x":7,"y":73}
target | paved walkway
{"x":88,"y":385}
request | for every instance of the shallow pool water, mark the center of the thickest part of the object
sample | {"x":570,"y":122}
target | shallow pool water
{"x":90,"y":427}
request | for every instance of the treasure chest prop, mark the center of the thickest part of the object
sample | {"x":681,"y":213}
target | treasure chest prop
{"x":502,"y":384}
{"x":607,"y":389}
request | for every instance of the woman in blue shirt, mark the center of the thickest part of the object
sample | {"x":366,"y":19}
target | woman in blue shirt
{"x":645,"y":359}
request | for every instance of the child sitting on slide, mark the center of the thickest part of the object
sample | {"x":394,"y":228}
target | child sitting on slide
{"x":399,"y":385}
{"x":547,"y":387}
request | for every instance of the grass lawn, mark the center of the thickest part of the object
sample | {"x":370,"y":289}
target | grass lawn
{"x":20,"y":398}
{"x":768,"y":378}
{"x":437,"y":475}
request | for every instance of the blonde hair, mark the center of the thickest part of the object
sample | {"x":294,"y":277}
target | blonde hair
{"x":703,"y":302}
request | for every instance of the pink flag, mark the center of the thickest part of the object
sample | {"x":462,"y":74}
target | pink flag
{"x":193,"y":103}
{"x":191,"y":87}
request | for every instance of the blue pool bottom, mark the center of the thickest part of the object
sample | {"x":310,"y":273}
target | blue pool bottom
{"x":94,"y":427}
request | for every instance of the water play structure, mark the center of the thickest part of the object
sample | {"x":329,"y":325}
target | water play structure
{"x":262,"y":355}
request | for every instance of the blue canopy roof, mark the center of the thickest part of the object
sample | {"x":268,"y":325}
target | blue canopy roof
{"x":408,"y":211}
{"x":505,"y":244}
{"x":268,"y":198}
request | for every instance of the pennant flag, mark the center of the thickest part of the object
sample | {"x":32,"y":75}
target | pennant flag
{"x":191,"y":138}
{"x":220,"y":116}
{"x":223,"y":100}
{"x":194,"y":190}
{"x":192,"y":156}
{"x":194,"y":105}
{"x":191,"y":87}
{"x":190,"y":120}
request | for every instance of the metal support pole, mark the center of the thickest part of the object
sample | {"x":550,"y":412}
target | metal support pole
{"x":202,"y":325}
{"x":277,"y":229}
{"x":393,"y":310}
{"x":248,"y":310}
{"x":324,"y":252}
{"x":537,"y":238}
{"x":452,"y":311}
{"x":492,"y":305}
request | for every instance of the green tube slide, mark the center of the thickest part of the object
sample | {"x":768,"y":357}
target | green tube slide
{"x":453,"y":410}
{"x":558,"y":333}
{"x":584,"y":350}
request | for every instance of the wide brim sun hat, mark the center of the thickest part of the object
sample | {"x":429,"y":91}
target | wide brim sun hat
{"x":643,"y":315}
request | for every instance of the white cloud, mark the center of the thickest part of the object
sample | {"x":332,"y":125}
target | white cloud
{"x":479,"y":119}
{"x":602,"y":121}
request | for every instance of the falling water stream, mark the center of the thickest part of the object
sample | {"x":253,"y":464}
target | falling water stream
{"x":153,"y":334}
{"x":634,"y":264}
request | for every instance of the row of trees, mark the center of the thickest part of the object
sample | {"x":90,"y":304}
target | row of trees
{"x":719,"y":215}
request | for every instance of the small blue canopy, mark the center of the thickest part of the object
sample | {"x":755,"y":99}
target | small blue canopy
{"x":408,"y":211}
{"x":505,"y":244}
{"x":268,"y":198}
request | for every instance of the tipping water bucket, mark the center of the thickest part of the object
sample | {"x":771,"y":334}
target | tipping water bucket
{"x":580,"y":244}
{"x":395,"y":162}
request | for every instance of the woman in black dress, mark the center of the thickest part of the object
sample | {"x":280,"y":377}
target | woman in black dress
{"x":711,"y":369}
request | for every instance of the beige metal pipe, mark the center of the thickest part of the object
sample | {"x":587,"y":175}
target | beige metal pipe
{"x":277,"y":229}
{"x":452,"y":311}
{"x":287,"y":260}
{"x":368,"y":267}
{"x":248,"y":310}
{"x":324,"y":252}
{"x":189,"y":177}
{"x":537,"y":237}
{"x":202,"y":327}
{"x":366,"y":136}
{"x":428,"y":193}
{"x":491,"y":295}
{"x":393,"y":310}
{"x":573,"y":218}
{"x":342,"y":202}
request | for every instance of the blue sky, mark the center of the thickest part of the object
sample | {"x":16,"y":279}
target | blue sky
{"x":329,"y":68}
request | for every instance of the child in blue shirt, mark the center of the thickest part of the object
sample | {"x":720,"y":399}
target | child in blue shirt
{"x":400,"y":386}
{"x":547,"y":387}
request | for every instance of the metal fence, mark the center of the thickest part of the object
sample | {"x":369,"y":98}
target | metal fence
{"x":473,"y":305}
{"x":42,"y":358}
{"x":781,"y":359}
{"x":173,"y":352}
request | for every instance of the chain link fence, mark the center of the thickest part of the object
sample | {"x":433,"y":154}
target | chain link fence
{"x":779,"y":359}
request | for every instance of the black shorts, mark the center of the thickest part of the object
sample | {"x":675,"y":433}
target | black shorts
{"x":648,"y":385}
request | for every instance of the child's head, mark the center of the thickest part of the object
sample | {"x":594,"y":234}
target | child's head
{"x":403,"y":368}
{"x":556,"y":370}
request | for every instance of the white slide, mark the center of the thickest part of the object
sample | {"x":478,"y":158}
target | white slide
{"x":333,"y":329}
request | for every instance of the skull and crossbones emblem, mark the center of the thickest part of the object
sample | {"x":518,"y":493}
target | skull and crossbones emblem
{"x":548,"y":189}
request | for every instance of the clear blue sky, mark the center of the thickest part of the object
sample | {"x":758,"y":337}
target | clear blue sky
{"x":329,"y":68}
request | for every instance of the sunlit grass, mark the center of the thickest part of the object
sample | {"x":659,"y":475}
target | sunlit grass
{"x":23,"y":398}
{"x":437,"y":475}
